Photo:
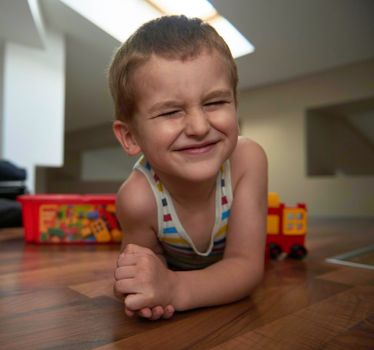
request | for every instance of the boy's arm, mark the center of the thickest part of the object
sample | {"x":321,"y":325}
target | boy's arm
{"x":227,"y":280}
{"x":136,"y":212}
{"x":242,"y":267}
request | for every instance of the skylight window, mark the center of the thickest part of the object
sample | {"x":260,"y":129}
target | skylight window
{"x":190,"y":8}
{"x":120,"y":18}
{"x":237,"y":43}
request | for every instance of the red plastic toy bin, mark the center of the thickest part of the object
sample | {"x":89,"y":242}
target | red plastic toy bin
{"x":69,"y":219}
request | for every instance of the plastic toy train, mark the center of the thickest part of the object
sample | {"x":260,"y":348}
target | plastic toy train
{"x":286,"y":229}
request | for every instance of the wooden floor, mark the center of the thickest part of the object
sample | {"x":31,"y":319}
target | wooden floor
{"x":59,"y":297}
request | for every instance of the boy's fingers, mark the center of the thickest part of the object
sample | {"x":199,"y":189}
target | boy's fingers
{"x":127,"y":260}
{"x":145,"y":312}
{"x":126,"y":286}
{"x":136,"y":249}
{"x":168,"y":312}
{"x":124,"y":272}
{"x":132,"y":249}
{"x":129,"y":312}
{"x":157,"y":313}
{"x":135,"y":301}
{"x":117,"y":294}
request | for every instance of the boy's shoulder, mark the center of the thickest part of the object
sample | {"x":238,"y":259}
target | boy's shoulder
{"x":248,"y":157}
{"x":247,"y":151}
{"x":135,"y":199}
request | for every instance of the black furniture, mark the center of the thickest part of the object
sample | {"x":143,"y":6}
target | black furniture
{"x":12,"y":184}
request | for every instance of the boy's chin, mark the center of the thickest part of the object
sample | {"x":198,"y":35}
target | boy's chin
{"x":200,"y":173}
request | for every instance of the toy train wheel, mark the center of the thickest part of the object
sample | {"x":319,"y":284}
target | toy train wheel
{"x":297,"y":252}
{"x":274,"y":251}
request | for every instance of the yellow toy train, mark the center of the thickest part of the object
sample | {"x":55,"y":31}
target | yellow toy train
{"x":286,"y":229}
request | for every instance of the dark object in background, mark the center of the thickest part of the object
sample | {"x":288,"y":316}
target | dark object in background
{"x":10,"y":213}
{"x":12,"y":184}
{"x":10,"y":172}
{"x":12,"y":190}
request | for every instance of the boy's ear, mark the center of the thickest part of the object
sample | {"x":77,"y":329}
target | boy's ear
{"x":126,"y":138}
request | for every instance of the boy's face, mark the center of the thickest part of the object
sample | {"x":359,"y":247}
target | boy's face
{"x":185,"y":123}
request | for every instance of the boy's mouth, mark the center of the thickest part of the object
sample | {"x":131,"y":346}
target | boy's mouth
{"x":197,"y":148}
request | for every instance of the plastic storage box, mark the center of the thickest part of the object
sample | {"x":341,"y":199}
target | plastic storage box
{"x":70,"y":219}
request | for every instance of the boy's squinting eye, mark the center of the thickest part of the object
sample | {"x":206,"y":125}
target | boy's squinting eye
{"x":169,"y":113}
{"x":215,"y":103}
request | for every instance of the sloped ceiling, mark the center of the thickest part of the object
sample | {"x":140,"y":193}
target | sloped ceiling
{"x":293,"y":38}
{"x":17,"y":23}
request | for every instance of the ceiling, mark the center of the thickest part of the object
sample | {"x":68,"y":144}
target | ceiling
{"x":293,"y":38}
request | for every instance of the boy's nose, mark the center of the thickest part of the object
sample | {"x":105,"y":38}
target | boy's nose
{"x":197,"y":124}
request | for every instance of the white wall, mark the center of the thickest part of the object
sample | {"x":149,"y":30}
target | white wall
{"x":275,"y":116}
{"x":33,"y":104}
{"x":106,"y":164}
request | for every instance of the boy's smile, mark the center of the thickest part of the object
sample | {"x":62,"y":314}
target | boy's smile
{"x":197,"y":148}
{"x":185,"y":121}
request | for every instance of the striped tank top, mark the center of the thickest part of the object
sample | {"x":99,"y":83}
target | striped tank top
{"x":179,"y":250}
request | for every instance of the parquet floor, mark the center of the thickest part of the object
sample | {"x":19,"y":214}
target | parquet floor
{"x":59,"y":297}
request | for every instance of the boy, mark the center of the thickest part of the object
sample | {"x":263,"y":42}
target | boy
{"x":193,"y":210}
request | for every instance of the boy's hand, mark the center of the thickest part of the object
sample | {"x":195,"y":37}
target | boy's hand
{"x":154,"y":313}
{"x":145,"y":280}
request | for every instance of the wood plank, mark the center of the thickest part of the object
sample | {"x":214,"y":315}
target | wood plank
{"x":312,"y":327}
{"x":94,"y":289}
{"x":77,"y":325}
{"x":358,"y":337}
{"x":270,"y":304}
{"x":25,"y":302}
{"x":350,"y":276}
{"x":60,"y":297}
{"x":183,"y":333}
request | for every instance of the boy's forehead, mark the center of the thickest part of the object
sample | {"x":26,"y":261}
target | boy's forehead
{"x":154,"y":62}
{"x":161,"y":78}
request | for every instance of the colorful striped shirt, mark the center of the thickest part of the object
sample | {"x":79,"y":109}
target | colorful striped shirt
{"x":179,"y":250}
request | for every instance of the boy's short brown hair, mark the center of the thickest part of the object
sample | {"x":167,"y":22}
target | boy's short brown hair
{"x":170,"y":37}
